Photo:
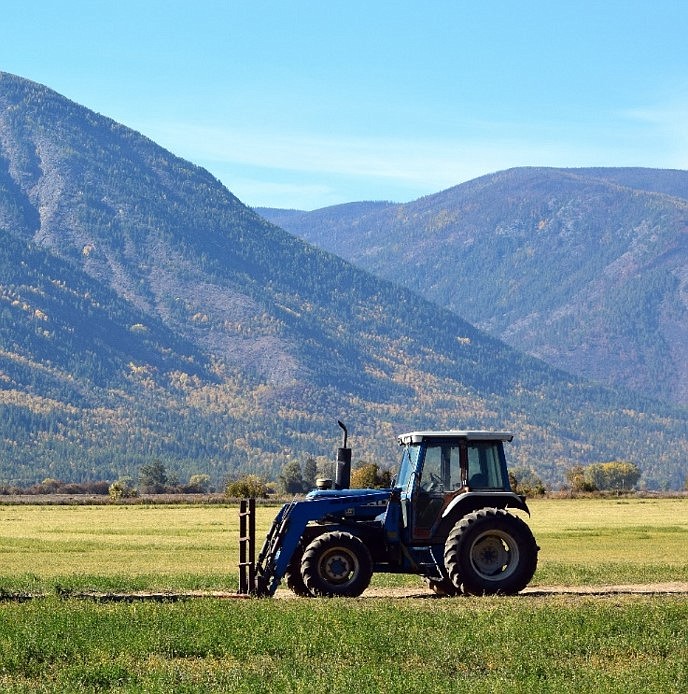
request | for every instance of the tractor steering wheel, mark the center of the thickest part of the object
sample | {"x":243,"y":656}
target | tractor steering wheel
{"x":435,"y":483}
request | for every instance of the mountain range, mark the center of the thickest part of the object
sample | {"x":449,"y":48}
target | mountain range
{"x":586,"y":269}
{"x":147,"y":314}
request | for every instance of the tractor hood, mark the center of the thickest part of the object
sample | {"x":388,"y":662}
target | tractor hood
{"x":376,"y":494}
{"x":352,"y":504}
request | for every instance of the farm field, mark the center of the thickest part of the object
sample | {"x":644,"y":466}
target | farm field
{"x":149,"y":547}
{"x":539,"y":641}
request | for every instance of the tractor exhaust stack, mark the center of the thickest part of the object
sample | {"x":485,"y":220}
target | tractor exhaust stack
{"x":342,"y":478}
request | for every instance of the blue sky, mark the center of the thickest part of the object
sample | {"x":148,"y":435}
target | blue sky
{"x":307,"y":104}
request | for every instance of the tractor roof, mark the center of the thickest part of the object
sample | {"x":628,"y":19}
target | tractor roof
{"x":418,"y":436}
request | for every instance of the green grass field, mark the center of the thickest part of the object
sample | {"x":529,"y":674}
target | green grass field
{"x":520,"y":644}
{"x":528,"y":643}
{"x":583,"y":542}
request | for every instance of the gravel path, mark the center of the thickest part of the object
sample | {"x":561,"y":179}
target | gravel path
{"x":419,"y":593}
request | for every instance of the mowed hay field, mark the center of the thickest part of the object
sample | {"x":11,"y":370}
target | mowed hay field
{"x":185,"y":547}
{"x":549,"y":639}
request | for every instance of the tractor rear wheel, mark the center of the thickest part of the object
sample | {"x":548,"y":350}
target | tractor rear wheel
{"x":490,"y":551}
{"x":336,"y":564}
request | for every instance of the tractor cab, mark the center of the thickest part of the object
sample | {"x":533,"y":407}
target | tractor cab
{"x":440,"y":469}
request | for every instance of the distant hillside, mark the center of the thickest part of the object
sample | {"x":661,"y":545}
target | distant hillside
{"x":584,"y":268}
{"x":673,"y":182}
{"x":147,"y":314}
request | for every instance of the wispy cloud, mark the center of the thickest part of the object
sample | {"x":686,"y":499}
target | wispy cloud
{"x":315,"y":170}
{"x":669,"y":122}
{"x":412,"y":160}
{"x":392,"y":159}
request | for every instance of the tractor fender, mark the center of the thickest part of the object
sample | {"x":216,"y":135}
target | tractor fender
{"x":467,"y":502}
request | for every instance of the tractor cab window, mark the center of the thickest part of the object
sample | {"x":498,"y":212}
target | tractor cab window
{"x":486,"y":467}
{"x":441,"y":468}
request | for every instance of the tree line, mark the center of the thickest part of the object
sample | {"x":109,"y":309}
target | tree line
{"x":296,"y":479}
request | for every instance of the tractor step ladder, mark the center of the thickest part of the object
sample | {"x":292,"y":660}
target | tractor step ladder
{"x":247,"y":547}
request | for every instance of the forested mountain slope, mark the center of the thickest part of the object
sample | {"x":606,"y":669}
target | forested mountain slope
{"x":146,"y":314}
{"x":584,"y":268}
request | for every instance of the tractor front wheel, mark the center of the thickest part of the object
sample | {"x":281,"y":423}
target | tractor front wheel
{"x":490,"y":551}
{"x":336,"y":564}
{"x":293,"y":577}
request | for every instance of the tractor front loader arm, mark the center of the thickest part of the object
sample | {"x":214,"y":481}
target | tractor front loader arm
{"x":262,"y":577}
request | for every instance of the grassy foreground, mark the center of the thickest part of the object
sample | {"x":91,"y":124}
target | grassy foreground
{"x":528,"y":643}
{"x":522,"y":644}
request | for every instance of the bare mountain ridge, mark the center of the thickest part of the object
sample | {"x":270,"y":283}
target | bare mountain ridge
{"x":148,"y":314}
{"x":584,"y":268}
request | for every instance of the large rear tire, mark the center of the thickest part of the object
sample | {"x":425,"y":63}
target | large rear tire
{"x":336,"y":564}
{"x":490,"y":551}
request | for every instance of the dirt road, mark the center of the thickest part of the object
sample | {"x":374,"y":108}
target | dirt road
{"x":676,"y":587}
{"x":413,"y":592}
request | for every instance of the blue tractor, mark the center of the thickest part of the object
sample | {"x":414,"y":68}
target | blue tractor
{"x":446,"y":518}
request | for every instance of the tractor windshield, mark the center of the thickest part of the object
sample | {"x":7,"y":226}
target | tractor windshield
{"x":407,"y":466}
